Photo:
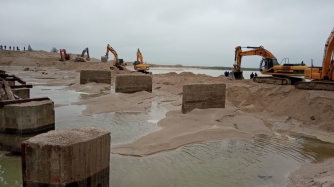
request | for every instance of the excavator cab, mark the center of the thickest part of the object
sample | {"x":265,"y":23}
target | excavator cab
{"x":268,"y":64}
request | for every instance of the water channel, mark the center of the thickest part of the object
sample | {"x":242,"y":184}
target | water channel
{"x":261,"y":161}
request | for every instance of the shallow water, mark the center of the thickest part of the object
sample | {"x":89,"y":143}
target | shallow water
{"x":261,"y":161}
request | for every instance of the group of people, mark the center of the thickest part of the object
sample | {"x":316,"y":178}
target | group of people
{"x":253,"y":75}
{"x":10,"y":48}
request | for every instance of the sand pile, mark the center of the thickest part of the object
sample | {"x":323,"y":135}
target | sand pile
{"x":196,"y":126}
{"x":28,"y":58}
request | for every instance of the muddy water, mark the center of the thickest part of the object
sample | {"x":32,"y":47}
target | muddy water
{"x":261,"y":161}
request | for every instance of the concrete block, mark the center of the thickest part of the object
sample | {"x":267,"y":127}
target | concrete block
{"x":203,"y":96}
{"x":19,"y":122}
{"x":98,"y":76}
{"x":74,"y":157}
{"x":23,"y":93}
{"x":133,"y":83}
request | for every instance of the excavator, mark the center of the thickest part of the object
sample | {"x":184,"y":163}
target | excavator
{"x":139,"y":65}
{"x":322,"y":78}
{"x":118,"y":63}
{"x":63,"y":55}
{"x":82,"y":58}
{"x":286,"y":74}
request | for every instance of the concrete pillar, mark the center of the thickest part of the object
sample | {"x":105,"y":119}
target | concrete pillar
{"x":98,"y":76}
{"x":19,"y":122}
{"x":23,"y":93}
{"x":73,"y":157}
{"x":202,"y":96}
{"x":133,"y":83}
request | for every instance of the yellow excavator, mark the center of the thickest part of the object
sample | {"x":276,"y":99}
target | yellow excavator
{"x":286,"y":74}
{"x":139,"y":65}
{"x":82,"y":58}
{"x":118,"y":63}
{"x":322,"y":78}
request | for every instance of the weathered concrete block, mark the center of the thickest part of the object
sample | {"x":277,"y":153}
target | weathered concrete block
{"x":19,"y":122}
{"x":133,"y":83}
{"x":23,"y":93}
{"x":73,"y":157}
{"x":203,"y":96}
{"x":98,"y":76}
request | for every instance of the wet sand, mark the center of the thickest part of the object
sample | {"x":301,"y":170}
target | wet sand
{"x":251,"y":108}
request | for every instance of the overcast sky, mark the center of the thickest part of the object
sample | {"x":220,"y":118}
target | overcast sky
{"x":187,"y":32}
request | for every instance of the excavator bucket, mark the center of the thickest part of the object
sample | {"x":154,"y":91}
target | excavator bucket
{"x":236,"y":75}
{"x":104,"y":58}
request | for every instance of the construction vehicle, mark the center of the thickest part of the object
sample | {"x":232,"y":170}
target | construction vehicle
{"x":322,"y":78}
{"x":139,"y":65}
{"x":285,"y":74}
{"x":118,"y":63}
{"x":82,"y":58}
{"x":63,"y":55}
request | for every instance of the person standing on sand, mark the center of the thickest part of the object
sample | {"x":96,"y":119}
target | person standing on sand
{"x":24,"y":48}
{"x":10,"y":47}
{"x":1,"y":47}
{"x":5,"y":47}
{"x":13,"y":48}
{"x":252,"y":75}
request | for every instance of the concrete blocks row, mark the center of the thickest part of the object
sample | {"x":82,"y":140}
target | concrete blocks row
{"x":98,"y":76}
{"x":19,"y":122}
{"x":133,"y":83}
{"x":203,"y":96}
{"x":74,"y":157}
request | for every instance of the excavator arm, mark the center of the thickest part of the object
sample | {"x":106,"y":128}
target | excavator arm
{"x":260,"y":51}
{"x":110,"y":49}
{"x":85,"y":51}
{"x":139,"y":57}
{"x":327,"y":65}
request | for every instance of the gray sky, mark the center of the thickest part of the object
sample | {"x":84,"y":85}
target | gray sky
{"x":187,"y":32}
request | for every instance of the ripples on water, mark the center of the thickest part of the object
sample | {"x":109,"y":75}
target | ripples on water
{"x":261,"y":161}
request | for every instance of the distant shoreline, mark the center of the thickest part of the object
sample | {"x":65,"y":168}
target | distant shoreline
{"x":202,"y":67}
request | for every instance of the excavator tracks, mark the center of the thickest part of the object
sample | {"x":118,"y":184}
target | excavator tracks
{"x":278,"y":80}
{"x":272,"y":80}
{"x":315,"y":85}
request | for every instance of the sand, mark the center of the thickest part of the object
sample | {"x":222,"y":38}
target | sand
{"x":251,"y":108}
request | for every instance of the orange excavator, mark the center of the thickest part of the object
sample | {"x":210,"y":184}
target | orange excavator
{"x":63,"y":55}
{"x":322,"y":78}
{"x":118,"y":63}
{"x":139,"y":65}
{"x":285,"y":74}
